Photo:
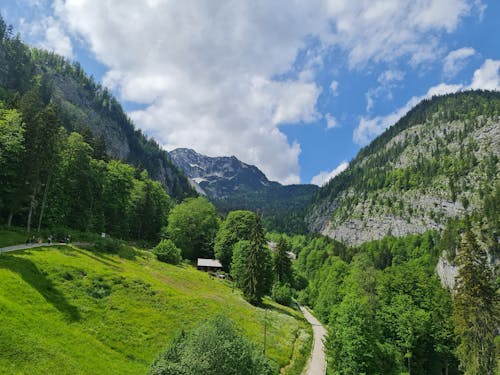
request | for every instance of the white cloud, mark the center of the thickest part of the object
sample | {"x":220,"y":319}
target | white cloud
{"x":369,"y":128}
{"x":387,"y":30}
{"x":205,"y":70}
{"x":331,"y":121}
{"x":487,"y":77}
{"x":49,"y":33}
{"x":324,"y":176}
{"x":389,"y":77}
{"x":388,"y":80}
{"x":334,"y":88}
{"x":455,"y":61}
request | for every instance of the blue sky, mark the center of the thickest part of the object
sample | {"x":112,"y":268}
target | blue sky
{"x":293,"y":87}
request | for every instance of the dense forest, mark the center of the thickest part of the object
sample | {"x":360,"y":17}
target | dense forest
{"x":386,"y":310}
{"x":82,"y":105}
{"x":53,"y":171}
{"x":282,"y":207}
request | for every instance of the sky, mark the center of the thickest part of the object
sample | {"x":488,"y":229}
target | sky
{"x":293,"y":87}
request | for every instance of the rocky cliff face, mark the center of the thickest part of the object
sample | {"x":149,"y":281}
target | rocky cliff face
{"x":433,"y":165}
{"x":231,"y":185}
{"x":219,"y":177}
{"x":85,"y":104}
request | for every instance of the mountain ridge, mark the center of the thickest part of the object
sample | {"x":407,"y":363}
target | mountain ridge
{"x":433,"y":165}
{"x":232,"y":184}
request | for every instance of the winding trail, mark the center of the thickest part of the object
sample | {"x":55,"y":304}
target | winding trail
{"x":34,"y":245}
{"x":317,"y":362}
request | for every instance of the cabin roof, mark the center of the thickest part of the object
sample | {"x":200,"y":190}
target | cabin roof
{"x":203,"y":262}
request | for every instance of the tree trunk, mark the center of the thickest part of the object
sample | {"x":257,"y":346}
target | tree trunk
{"x":446,"y":368}
{"x":44,"y":200}
{"x":28,"y":225}
{"x":30,"y":213}
{"x":9,"y":219}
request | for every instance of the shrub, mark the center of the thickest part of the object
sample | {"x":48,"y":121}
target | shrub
{"x":282,"y":293}
{"x":108,"y":245}
{"x":213,"y":348}
{"x":167,"y":252}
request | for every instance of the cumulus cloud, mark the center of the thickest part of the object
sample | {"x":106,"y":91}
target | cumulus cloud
{"x":369,"y":128}
{"x":207,"y":71}
{"x":324,"y":176}
{"x":455,"y":61}
{"x":53,"y":35}
{"x":334,"y":88}
{"x":331,"y":121}
{"x":387,"y":80}
{"x":487,"y":77}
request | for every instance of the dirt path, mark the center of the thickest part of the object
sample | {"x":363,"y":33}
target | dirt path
{"x":317,"y":362}
{"x":34,"y":245}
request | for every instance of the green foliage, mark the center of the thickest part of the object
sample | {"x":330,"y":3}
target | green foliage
{"x":282,"y":293}
{"x":418,"y":156}
{"x":282,"y":207}
{"x":192,"y":226}
{"x":86,"y":311}
{"x":214,"y":347}
{"x":385,"y":308}
{"x":282,"y":264}
{"x":476,"y":309}
{"x":167,"y":252}
{"x":235,"y":228}
{"x":251,"y":267}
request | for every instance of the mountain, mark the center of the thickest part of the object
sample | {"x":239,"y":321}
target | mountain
{"x":219,"y":177}
{"x":231,"y":184}
{"x":434,"y":164}
{"x":84,"y":106}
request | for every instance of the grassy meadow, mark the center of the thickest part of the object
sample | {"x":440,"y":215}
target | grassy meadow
{"x":68,"y":310}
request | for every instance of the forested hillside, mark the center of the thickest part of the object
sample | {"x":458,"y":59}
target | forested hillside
{"x":434,"y":164}
{"x":84,"y":106}
{"x":233,"y":185}
{"x":385,"y":306}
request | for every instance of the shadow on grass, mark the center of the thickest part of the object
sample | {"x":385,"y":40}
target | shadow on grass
{"x":37,"y":280}
{"x":98,"y":257}
{"x":281,"y":310}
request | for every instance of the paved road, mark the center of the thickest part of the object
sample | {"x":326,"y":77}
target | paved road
{"x":33,"y":245}
{"x":317,"y":362}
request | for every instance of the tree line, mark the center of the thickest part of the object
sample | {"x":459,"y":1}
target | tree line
{"x":51,"y":178}
{"x":387,"y":312}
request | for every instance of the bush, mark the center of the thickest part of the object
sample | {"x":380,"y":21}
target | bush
{"x":282,"y":293}
{"x":213,"y":348}
{"x":167,"y":252}
{"x":108,"y":245}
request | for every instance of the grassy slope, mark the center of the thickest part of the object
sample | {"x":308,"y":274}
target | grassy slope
{"x":65,"y":310}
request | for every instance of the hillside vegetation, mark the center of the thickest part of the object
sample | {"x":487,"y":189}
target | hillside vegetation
{"x":67,"y":310}
{"x":83,"y":105}
{"x":436,"y":163}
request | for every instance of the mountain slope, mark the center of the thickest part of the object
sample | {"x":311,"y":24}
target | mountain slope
{"x":231,"y":184}
{"x":434,"y":164}
{"x":66,"y":310}
{"x":84,"y":104}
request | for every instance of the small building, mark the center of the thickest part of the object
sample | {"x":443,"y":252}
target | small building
{"x":208,"y":265}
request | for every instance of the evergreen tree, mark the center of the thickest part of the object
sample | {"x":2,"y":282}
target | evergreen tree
{"x":256,"y":279}
{"x":100,"y":152}
{"x":282,"y":263}
{"x":237,"y":227}
{"x":476,"y":313}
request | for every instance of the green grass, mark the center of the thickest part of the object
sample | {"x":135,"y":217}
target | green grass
{"x":66,"y":310}
{"x":12,"y":237}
